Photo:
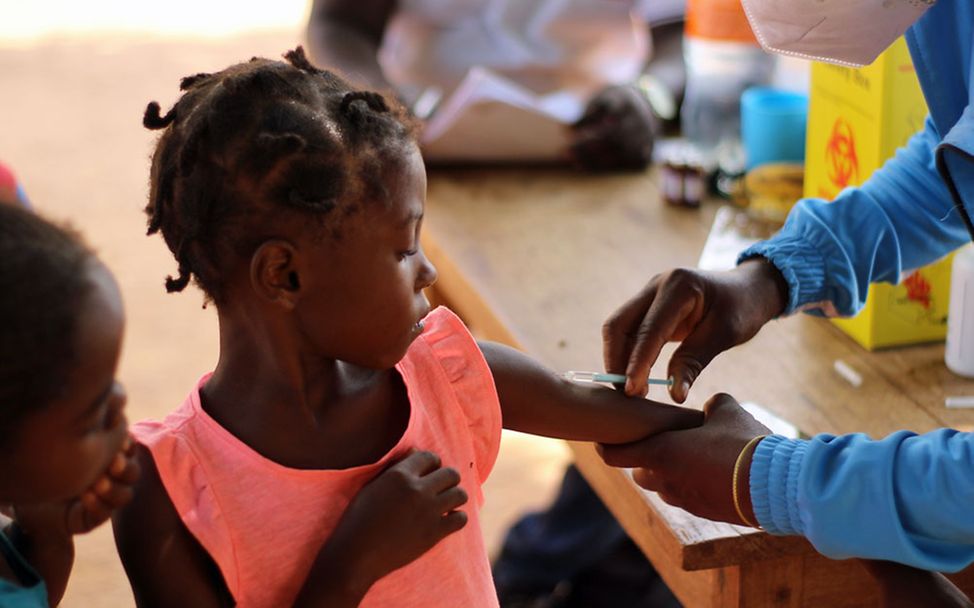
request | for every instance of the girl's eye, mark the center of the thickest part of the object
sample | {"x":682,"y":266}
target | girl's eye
{"x":106,"y":419}
{"x":100,"y":422}
{"x":407,"y":254}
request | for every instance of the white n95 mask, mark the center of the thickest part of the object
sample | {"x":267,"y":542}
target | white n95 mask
{"x":847,"y":32}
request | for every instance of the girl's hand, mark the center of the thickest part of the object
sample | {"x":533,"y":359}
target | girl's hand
{"x":88,"y":511}
{"x":695,"y":479}
{"x":397,"y":517}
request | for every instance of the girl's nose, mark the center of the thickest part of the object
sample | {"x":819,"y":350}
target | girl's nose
{"x":117,"y":405}
{"x":427,"y":273}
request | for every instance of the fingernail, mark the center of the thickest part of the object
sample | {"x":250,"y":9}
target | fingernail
{"x":102,"y":486}
{"x":118,"y":465}
{"x":630,"y":387}
{"x":685,"y":389}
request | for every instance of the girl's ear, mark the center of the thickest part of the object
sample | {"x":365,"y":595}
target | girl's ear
{"x":274,"y":273}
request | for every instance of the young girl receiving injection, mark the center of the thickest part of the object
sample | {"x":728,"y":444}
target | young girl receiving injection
{"x":296,"y":203}
{"x":64,"y":448}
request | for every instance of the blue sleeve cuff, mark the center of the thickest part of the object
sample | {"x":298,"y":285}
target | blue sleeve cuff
{"x":775,"y":467}
{"x":802,"y":267}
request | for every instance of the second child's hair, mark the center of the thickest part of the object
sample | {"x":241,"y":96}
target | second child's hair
{"x":257,"y":142}
{"x":43,"y":280}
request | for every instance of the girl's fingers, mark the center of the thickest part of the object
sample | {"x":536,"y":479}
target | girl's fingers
{"x":418,"y":463}
{"x":452,"y":521}
{"x":113,"y":495}
{"x":86,"y":513}
{"x":124,"y":468}
{"x":442,"y":480}
{"x":452,"y":499}
{"x":96,"y":506}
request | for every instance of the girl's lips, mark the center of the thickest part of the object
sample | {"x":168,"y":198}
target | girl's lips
{"x":420,"y":324}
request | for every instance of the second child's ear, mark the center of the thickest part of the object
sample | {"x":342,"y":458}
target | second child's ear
{"x":274,"y":273}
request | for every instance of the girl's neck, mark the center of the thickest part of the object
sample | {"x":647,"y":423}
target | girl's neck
{"x":302,"y":411}
{"x":263,"y":366}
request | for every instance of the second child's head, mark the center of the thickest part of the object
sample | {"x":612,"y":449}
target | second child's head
{"x":295,"y":203}
{"x":61,"y":420}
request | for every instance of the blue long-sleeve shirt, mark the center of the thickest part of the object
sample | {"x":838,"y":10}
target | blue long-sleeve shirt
{"x":906,"y":498}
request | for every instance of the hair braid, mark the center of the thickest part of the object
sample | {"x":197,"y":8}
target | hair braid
{"x":255,"y":142}
{"x":189,"y":82}
{"x":152,"y":120}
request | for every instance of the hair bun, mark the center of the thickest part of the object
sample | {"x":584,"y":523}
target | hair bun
{"x":373,"y":100}
{"x":152,"y":120}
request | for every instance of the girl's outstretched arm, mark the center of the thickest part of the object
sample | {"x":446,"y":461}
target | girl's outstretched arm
{"x":536,"y":400}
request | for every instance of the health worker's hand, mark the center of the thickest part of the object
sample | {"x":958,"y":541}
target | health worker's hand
{"x":617,"y":131}
{"x":709,"y":312}
{"x":698,"y":480}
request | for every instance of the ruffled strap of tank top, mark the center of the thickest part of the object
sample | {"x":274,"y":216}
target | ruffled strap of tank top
{"x":464,"y":366}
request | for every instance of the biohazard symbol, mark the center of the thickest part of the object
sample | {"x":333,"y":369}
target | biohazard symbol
{"x":918,"y":290}
{"x":840,"y":155}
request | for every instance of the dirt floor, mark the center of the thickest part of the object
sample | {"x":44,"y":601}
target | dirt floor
{"x":70,"y":126}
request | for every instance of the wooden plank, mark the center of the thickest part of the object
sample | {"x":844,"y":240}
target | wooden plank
{"x":700,"y":588}
{"x":692,"y":542}
{"x":772,"y":584}
{"x":837,"y":583}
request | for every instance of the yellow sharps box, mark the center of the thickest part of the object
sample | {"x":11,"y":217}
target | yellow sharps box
{"x":857,"y":119}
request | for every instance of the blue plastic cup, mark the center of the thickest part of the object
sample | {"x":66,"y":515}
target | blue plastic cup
{"x":773,"y":125}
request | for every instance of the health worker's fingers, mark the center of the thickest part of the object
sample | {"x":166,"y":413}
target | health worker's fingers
{"x":694,"y":354}
{"x":619,"y":330}
{"x":674,"y":310}
{"x":638,"y":454}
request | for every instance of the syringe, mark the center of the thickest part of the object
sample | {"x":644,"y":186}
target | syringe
{"x":609,"y":378}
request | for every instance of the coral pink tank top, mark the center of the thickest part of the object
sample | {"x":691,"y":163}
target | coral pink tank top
{"x":264,"y":523}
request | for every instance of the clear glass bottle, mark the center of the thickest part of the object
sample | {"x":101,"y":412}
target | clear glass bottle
{"x":722,"y":60}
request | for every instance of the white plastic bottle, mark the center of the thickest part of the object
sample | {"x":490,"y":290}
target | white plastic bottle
{"x":959,"y":354}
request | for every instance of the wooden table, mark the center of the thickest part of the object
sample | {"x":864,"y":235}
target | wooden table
{"x":537,"y":259}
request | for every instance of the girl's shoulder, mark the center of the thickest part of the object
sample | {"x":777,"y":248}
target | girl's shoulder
{"x":447,"y":346}
{"x":447,"y":338}
{"x":162,"y":558}
{"x":446,"y":371}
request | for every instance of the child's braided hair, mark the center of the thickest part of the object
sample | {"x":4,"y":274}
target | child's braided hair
{"x":257,"y":140}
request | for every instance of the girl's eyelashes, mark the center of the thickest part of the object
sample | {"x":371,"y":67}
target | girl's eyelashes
{"x":407,"y":254}
{"x":105,"y":418}
{"x":100,"y":421}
